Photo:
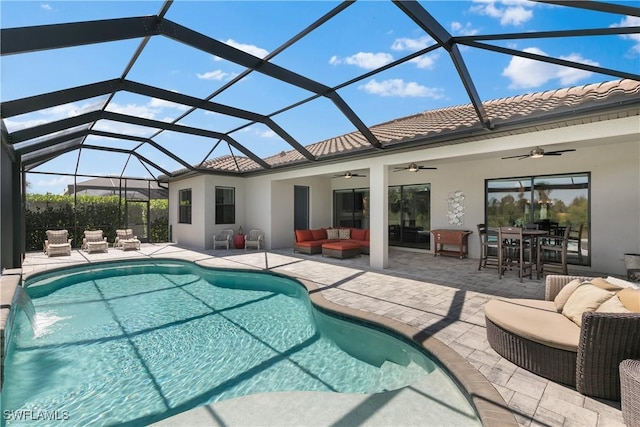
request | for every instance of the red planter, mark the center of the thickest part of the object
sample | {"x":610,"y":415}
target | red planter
{"x":238,"y":241}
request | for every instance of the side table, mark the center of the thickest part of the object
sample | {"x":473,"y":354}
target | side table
{"x":238,"y":241}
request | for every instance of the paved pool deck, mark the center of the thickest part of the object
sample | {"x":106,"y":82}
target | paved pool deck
{"x":438,"y":297}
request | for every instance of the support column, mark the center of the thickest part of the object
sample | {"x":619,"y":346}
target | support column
{"x":379,"y":216}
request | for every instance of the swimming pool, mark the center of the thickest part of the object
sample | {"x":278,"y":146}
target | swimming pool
{"x":137,"y":342}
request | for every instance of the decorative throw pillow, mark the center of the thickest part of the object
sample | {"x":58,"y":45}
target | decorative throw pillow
{"x":612,"y":305}
{"x":630,"y":298}
{"x":586,"y":298}
{"x":561,"y":299}
{"x":332,"y":234}
{"x":602,"y":283}
{"x":622,"y":283}
{"x":344,"y":233}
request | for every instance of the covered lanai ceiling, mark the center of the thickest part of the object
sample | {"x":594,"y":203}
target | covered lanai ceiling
{"x":144,"y":89}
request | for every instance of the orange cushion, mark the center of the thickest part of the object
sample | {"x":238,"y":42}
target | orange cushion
{"x":303,"y":235}
{"x":358,"y":234}
{"x":367,"y":236}
{"x":310,"y":243}
{"x":341,"y":245}
{"x":320,"y":234}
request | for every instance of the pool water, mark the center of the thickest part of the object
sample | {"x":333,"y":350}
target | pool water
{"x":136,"y":343}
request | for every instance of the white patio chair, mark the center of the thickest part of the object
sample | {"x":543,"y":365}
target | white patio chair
{"x":94,"y":241}
{"x":223,"y":239}
{"x":125,"y":239}
{"x":57,"y":243}
{"x":255,"y":238}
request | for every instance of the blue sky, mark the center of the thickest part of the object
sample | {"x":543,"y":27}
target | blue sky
{"x":365,"y":36}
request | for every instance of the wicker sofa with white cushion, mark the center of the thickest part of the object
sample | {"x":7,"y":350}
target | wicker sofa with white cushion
{"x":577,"y":335}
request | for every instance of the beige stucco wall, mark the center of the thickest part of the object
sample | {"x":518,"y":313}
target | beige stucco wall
{"x":610,"y":151}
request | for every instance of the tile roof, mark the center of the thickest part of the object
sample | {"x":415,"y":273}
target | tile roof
{"x":457,"y":122}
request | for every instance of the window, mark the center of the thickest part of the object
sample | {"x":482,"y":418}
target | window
{"x":410,"y":216}
{"x":547,"y":200}
{"x":184,"y":212}
{"x":225,"y":205}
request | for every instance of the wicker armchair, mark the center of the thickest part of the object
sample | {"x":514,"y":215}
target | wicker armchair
{"x":125,"y":239}
{"x":57,"y":243}
{"x":223,"y":239}
{"x":94,"y":241}
{"x":605,"y":340}
{"x":255,"y":238}
{"x":630,"y":387}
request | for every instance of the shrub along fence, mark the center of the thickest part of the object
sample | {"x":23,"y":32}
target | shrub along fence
{"x":79,"y":213}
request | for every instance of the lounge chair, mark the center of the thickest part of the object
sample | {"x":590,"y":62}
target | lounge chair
{"x":223,"y":239}
{"x":57,"y":243}
{"x":94,"y":241}
{"x":125,"y":239}
{"x":255,"y":238}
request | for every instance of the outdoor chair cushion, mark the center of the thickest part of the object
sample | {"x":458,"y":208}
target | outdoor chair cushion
{"x":320,"y":234}
{"x":304,"y":235}
{"x":344,"y":233}
{"x":586,"y":297}
{"x":333,"y":234}
{"x":57,"y":237}
{"x":613,"y":305}
{"x":94,"y":236}
{"x":535,"y":320}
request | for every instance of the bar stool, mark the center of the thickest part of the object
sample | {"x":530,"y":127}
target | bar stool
{"x":511,"y":250}
{"x":488,"y":247}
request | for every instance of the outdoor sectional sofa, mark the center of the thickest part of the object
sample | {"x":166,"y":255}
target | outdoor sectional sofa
{"x":577,"y":336}
{"x":310,"y":241}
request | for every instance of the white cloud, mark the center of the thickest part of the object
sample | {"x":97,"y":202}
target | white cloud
{"x":249,"y":48}
{"x":267,"y":133}
{"x":412,"y":44}
{"x":631,"y":21}
{"x":135,"y":110}
{"x":458,"y":29}
{"x":46,"y":6}
{"x":161,"y":103}
{"x":218,"y":75}
{"x":512,"y":12}
{"x":400,"y":88}
{"x":55,"y":181}
{"x":426,"y":62}
{"x":528,"y":73}
{"x":366,"y":60}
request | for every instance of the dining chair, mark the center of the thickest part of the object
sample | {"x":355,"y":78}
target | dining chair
{"x":574,"y":243}
{"x":488,"y":247}
{"x":552,"y":253}
{"x":511,"y":252}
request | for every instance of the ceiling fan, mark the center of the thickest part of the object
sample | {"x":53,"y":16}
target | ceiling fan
{"x":538,"y":152}
{"x":413,"y":168}
{"x":349,"y":175}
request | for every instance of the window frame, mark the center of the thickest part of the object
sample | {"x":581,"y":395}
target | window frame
{"x":185,"y":205}
{"x":222,"y":208}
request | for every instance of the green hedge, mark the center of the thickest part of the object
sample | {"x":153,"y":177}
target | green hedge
{"x":107,"y":213}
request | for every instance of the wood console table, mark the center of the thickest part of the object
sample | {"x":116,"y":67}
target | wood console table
{"x":449,"y":239}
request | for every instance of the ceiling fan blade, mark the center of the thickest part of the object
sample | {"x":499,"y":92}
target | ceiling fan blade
{"x":399,"y":169}
{"x":426,"y":167}
{"x":519,"y":157}
{"x":558,"y":152}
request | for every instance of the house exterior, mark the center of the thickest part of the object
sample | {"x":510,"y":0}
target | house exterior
{"x":600,"y":122}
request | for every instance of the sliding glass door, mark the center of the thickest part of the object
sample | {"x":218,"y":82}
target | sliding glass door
{"x":410,"y":216}
{"x":350,"y":208}
{"x":551,"y":201}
